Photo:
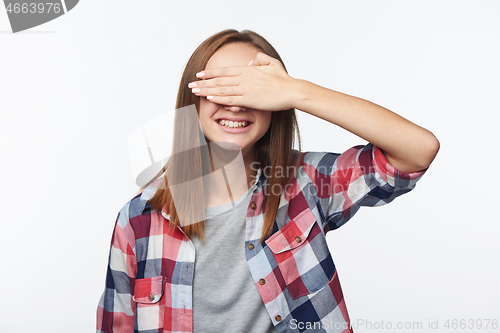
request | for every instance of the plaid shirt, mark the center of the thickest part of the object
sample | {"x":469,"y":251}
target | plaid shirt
{"x":150,"y":272}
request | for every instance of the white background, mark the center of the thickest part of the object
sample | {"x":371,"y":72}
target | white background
{"x":72,"y":91}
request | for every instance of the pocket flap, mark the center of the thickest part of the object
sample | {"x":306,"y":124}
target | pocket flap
{"x":293,"y":234}
{"x":148,"y":290}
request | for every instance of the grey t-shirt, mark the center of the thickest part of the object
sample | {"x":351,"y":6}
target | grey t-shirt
{"x":225,"y":298}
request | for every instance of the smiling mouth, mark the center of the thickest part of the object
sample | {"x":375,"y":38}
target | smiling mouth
{"x":233,"y":124}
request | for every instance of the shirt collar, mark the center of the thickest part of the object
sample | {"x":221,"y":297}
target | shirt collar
{"x":150,"y":190}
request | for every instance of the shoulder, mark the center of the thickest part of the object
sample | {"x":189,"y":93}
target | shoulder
{"x":324,"y":159}
{"x":131,"y":209}
{"x":314,"y":161}
{"x":136,"y":211}
{"x":318,"y":157}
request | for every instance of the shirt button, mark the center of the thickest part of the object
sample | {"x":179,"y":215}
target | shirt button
{"x":298,"y":239}
{"x":151,"y":296}
{"x":253,"y":205}
{"x":262,"y":282}
{"x":278,"y":318}
{"x":251,"y":246}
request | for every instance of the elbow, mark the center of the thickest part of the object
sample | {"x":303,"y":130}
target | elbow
{"x":429,"y":149}
{"x":418,"y":156}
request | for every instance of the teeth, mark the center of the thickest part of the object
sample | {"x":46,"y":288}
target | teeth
{"x":233,"y":124}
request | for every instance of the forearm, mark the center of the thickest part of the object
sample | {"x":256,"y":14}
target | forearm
{"x":407,"y":146}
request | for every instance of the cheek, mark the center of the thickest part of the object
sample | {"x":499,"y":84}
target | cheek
{"x":207,"y":109}
{"x":265,"y":120}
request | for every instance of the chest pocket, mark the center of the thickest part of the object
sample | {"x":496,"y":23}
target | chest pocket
{"x":302,"y":255}
{"x":148,"y":291}
{"x":150,"y":301}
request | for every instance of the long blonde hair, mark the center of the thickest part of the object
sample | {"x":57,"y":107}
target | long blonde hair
{"x":273,"y":151}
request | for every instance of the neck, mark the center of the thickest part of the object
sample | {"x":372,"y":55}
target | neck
{"x":232,"y":173}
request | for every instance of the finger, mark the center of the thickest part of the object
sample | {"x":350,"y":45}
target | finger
{"x":217,"y":72}
{"x":262,"y":59}
{"x":227,"y":100}
{"x":215,"y":82}
{"x":217,"y":91}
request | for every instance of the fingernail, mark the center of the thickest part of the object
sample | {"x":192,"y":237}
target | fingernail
{"x":210,"y":97}
{"x":200,"y":74}
{"x":196,"y":90}
{"x":250,"y":63}
{"x":192,"y":85}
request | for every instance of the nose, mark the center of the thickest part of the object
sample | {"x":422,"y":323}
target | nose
{"x":234,"y":108}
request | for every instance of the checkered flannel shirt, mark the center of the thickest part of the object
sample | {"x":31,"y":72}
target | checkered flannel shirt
{"x":150,"y":272}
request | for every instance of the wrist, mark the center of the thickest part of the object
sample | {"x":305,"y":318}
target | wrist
{"x":298,"y":93}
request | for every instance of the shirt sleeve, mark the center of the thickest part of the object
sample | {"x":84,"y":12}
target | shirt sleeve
{"x":361,"y":176}
{"x":116,"y":309}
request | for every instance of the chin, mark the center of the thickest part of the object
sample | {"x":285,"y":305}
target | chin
{"x":228,"y":145}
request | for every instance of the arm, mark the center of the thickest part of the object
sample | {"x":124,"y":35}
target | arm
{"x":266,"y":86}
{"x":407,"y":147}
{"x":116,"y":309}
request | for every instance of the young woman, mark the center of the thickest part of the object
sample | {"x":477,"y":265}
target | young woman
{"x":232,"y":237}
